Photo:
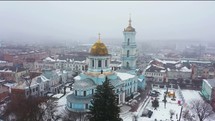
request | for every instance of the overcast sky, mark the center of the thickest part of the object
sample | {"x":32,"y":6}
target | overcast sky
{"x":70,"y":20}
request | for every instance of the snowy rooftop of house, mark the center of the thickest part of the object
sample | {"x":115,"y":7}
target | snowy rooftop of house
{"x":185,"y":69}
{"x":49,"y":59}
{"x":211,"y":82}
{"x":167,"y":61}
{"x":195,"y":61}
{"x":10,"y":84}
{"x":3,"y":61}
{"x":124,"y":76}
{"x":41,"y":77}
{"x":24,"y":85}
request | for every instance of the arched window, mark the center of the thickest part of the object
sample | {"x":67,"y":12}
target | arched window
{"x":92,"y":63}
{"x":105,"y":63}
{"x":99,"y":63}
{"x":127,"y":53}
{"x":128,"y":42}
{"x":127,"y":65}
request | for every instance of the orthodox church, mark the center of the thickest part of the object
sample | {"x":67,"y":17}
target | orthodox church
{"x":125,"y":83}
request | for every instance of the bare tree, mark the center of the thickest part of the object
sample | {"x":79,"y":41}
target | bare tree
{"x":32,"y":109}
{"x":187,"y":115}
{"x":69,"y":116}
{"x":48,"y":110}
{"x":73,"y":116}
{"x":202,"y":109}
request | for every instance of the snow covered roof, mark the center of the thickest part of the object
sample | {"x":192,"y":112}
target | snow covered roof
{"x":185,"y":69}
{"x":77,"y":77}
{"x":83,"y":84}
{"x":195,"y":61}
{"x":41,"y":78}
{"x":49,"y":59}
{"x":124,"y":76}
{"x":3,"y":61}
{"x":10,"y":84}
{"x":210,"y":82}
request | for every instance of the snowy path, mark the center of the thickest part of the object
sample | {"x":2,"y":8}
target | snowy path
{"x":62,"y":101}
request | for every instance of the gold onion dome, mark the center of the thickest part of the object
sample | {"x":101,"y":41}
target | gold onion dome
{"x":99,"y":48}
{"x":129,"y":28}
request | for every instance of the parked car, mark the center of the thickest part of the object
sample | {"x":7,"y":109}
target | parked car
{"x":145,"y":112}
{"x":153,"y":94}
{"x":155,"y":91}
{"x":150,"y":113}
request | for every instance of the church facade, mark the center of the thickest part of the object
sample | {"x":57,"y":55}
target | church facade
{"x":125,"y":84}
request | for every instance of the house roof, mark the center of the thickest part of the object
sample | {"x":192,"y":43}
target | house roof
{"x":11,"y":69}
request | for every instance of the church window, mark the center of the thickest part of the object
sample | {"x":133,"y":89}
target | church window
{"x":127,"y":65}
{"x":84,"y":93}
{"x":86,"y":106}
{"x":128,"y":42}
{"x":92,"y":63}
{"x":105,"y":63}
{"x":92,"y":91}
{"x":70,"y":105}
{"x":127,"y":53}
{"x":75,"y":92}
{"x":99,"y":63}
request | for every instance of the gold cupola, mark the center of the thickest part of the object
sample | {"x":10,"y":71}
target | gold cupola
{"x":99,"y":48}
{"x":129,"y":28}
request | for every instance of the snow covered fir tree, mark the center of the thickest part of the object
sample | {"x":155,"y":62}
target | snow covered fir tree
{"x":104,"y":104}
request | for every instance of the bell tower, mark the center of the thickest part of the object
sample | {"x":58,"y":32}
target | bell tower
{"x":129,"y":48}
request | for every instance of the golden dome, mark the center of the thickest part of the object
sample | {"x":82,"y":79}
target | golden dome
{"x":99,"y":48}
{"x":129,"y":28}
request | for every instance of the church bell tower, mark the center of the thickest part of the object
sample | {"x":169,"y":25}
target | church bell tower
{"x":129,"y":48}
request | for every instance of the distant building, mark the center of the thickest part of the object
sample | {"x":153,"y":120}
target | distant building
{"x":50,"y":81}
{"x":4,"y":92}
{"x":208,"y":91}
{"x":12,"y":73}
{"x":67,"y":64}
{"x":164,"y":71}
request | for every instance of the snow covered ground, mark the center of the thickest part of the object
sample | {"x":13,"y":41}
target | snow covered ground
{"x":62,"y":101}
{"x":163,"y":113}
{"x":160,"y":114}
{"x":191,"y":95}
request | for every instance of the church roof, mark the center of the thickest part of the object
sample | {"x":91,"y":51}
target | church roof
{"x":84,"y":83}
{"x":99,"y":48}
{"x":129,"y":28}
{"x":124,"y":76}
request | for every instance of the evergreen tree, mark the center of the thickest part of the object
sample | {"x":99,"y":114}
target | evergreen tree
{"x":155,"y":103}
{"x":104,"y":104}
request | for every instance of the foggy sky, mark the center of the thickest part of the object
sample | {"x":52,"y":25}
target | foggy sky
{"x":82,"y":21}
